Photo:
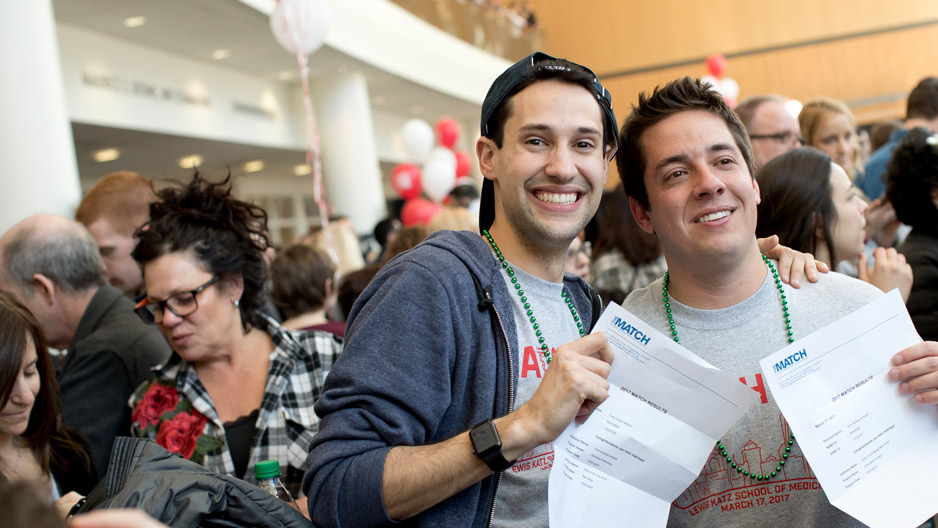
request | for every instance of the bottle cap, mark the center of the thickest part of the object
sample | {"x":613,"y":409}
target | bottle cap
{"x":267,"y":469}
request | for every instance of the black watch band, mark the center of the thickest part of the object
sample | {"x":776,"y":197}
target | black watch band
{"x":487,"y":446}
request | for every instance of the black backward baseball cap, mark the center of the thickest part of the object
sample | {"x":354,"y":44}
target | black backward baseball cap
{"x":504,"y":86}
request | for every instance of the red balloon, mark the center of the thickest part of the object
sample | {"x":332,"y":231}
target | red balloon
{"x":405,"y":179}
{"x":419,"y":211}
{"x":447,"y":132}
{"x":716,"y":65}
{"x":463,"y":163}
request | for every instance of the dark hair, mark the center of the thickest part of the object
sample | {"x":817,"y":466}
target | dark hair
{"x":621,"y":231}
{"x":352,"y":286}
{"x":384,"y":229}
{"x":18,"y":328}
{"x":911,"y":177}
{"x":226,"y":235}
{"x":299,"y":274}
{"x":881,"y":132}
{"x":676,"y":96}
{"x":923,"y":100}
{"x":550,"y":70}
{"x":467,"y":191}
{"x":797,"y":200}
{"x":58,"y":449}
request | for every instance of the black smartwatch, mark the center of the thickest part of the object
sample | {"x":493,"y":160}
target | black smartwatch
{"x":487,"y":446}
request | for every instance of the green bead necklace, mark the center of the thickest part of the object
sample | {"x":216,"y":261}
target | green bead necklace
{"x":527,"y":306}
{"x":791,"y":339}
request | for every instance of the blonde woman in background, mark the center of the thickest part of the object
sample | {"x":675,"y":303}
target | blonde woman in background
{"x":454,"y":219}
{"x":342,"y":245}
{"x":828,"y":125}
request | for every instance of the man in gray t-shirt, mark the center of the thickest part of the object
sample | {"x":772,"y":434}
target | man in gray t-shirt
{"x":686,"y":164}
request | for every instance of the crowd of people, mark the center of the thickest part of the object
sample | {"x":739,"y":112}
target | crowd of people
{"x":406,"y":383}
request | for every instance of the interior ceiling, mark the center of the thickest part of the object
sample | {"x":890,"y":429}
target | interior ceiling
{"x":195,"y":29}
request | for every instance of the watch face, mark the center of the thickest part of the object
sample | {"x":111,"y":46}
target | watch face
{"x":484,"y":437}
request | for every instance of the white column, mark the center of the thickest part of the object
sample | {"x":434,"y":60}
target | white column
{"x":351,"y":174}
{"x":39,"y":171}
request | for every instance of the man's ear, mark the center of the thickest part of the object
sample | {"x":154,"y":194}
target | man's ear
{"x":45,"y":288}
{"x":485,"y":151}
{"x":755,"y":187}
{"x":642,"y":218}
{"x":607,"y":157}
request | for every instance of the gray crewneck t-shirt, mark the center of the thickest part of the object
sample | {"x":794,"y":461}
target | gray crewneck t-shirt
{"x":734,"y":340}
{"x":522,"y":492}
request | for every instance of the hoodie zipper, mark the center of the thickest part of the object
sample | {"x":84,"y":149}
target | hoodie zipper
{"x":511,"y":395}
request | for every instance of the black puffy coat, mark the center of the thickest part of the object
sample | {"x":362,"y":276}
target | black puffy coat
{"x":183,"y":494}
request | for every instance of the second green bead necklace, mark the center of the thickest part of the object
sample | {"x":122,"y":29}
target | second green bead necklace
{"x":791,"y":338}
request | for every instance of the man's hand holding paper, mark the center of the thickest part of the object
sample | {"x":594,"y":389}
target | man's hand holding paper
{"x":868,"y":443}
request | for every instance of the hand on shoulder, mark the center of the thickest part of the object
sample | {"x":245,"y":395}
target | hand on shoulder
{"x":792,"y":265}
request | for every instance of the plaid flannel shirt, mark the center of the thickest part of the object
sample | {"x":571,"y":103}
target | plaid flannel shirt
{"x":286,"y":422}
{"x":610,"y":271}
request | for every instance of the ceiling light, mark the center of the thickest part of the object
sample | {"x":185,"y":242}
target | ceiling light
{"x":794,"y":107}
{"x":302,"y":170}
{"x":220,"y":54}
{"x":190,"y":162}
{"x":254,"y":166}
{"x":136,"y":21}
{"x":110,"y":154}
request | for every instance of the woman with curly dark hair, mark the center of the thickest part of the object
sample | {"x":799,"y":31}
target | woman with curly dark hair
{"x":239,"y":388}
{"x":35,"y":446}
{"x":912,"y":187}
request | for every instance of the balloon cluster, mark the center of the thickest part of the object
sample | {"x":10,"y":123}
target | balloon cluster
{"x":727,"y":86}
{"x":436,"y":175}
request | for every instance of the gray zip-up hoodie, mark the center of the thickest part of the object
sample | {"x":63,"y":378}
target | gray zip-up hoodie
{"x":429,"y":353}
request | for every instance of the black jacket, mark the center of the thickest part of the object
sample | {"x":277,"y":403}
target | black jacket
{"x":921,"y":252}
{"x":111,"y":353}
{"x":183,"y":494}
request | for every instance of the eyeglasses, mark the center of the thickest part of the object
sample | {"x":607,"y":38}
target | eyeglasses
{"x":785,"y":138}
{"x":181,"y":305}
{"x":586,"y":248}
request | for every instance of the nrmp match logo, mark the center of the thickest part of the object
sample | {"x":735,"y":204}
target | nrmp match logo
{"x":790,"y":360}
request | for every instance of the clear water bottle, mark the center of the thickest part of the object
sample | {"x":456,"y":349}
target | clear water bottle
{"x":267,"y":473}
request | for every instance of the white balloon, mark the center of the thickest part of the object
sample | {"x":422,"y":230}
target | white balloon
{"x":418,"y":139}
{"x":300,"y":25}
{"x":714,"y":82}
{"x":439,"y":173}
{"x":729,"y":88}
